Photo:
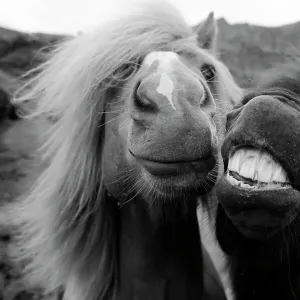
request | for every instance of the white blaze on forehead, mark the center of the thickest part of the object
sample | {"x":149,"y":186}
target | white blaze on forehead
{"x":165,"y":66}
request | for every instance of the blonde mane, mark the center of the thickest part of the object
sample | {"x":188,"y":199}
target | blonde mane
{"x":67,"y":232}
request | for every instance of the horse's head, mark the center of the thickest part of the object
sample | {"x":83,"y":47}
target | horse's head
{"x":160,"y":134}
{"x":149,"y":106}
{"x":162,"y":124}
{"x":260,"y":189}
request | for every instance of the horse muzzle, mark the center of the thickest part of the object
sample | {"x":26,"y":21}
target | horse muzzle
{"x":259,"y":190}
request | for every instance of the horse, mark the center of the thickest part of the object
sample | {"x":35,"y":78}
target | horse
{"x":258,"y":217}
{"x":139,"y":106}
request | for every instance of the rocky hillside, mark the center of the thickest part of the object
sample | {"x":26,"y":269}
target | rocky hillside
{"x":249,"y":50}
{"x":20,"y":52}
{"x":246,"y":49}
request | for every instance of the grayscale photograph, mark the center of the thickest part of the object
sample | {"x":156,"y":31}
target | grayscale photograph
{"x":149,"y":150}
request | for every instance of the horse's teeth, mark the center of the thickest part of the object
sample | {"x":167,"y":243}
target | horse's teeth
{"x":256,"y":165}
{"x":279,"y":175}
{"x":234,"y":163}
{"x":265,"y":169}
{"x":248,"y":167}
{"x":255,"y":177}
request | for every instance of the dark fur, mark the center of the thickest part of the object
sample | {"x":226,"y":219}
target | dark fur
{"x":7,"y":109}
{"x":267,"y":268}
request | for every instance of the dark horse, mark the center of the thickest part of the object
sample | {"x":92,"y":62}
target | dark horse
{"x":258,"y":219}
{"x":140,"y":106}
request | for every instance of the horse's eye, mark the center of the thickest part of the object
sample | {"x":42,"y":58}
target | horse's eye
{"x":126,"y":71}
{"x":209,"y":72}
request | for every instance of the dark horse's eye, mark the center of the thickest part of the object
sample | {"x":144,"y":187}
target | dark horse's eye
{"x":127,"y":70}
{"x":209,"y":72}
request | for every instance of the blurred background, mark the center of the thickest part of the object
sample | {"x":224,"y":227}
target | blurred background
{"x":254,"y":35}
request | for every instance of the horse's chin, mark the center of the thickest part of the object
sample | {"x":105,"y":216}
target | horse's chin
{"x":255,"y":192}
{"x":177,"y":186}
{"x":258,"y":212}
{"x":160,"y":181}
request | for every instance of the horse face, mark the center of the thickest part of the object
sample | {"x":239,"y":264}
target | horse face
{"x":160,"y":137}
{"x":260,"y":189}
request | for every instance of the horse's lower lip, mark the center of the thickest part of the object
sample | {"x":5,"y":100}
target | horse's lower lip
{"x":258,"y":233}
{"x":177,"y":168}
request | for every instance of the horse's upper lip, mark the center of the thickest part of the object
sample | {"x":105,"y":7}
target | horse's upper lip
{"x":176,"y":167}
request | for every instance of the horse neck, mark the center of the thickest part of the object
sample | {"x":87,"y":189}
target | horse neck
{"x":159,"y":259}
{"x":265,"y":276}
{"x":260,"y":270}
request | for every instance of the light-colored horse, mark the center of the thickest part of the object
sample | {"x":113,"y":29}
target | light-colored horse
{"x":140,"y":107}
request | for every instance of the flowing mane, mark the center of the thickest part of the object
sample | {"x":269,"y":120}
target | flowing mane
{"x":68,"y":224}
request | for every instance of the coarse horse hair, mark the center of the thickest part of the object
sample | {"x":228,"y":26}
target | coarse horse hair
{"x":257,"y":223}
{"x":65,"y":224}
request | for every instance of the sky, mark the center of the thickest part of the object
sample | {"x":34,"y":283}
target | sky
{"x":71,"y":16}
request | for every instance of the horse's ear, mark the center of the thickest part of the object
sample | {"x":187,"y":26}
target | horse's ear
{"x":206,"y":33}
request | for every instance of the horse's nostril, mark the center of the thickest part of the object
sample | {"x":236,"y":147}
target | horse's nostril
{"x":141,"y":100}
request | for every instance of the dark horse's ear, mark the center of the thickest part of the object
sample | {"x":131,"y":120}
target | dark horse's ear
{"x":206,"y":33}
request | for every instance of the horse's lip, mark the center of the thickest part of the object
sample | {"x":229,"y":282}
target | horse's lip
{"x":260,"y":227}
{"x":240,"y":203}
{"x":175,"y":168}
